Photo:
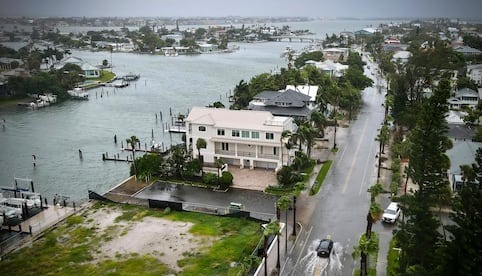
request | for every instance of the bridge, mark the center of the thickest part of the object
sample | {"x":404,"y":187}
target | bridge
{"x":287,"y":38}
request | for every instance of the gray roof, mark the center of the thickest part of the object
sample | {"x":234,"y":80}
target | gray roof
{"x":462,"y":153}
{"x":287,"y":99}
{"x":460,"y":132}
{"x":283,"y":111}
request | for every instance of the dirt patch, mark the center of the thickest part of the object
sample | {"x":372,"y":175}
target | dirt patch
{"x":164,"y":239}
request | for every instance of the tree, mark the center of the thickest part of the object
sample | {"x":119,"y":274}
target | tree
{"x":271,"y":229}
{"x":299,"y":186}
{"x":283,"y":203}
{"x":285,"y":139}
{"x":461,"y":254}
{"x":200,"y":144}
{"x":365,"y":247}
{"x":133,"y":141}
{"x":319,"y":122}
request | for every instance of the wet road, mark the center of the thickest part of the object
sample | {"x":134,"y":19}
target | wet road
{"x":341,"y":206}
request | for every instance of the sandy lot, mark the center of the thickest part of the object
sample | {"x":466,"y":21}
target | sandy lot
{"x":164,"y":239}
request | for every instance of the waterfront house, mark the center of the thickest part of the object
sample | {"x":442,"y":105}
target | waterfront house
{"x":467,"y":51}
{"x":336,"y":54}
{"x":288,"y":103}
{"x":89,"y":70}
{"x":308,"y":90}
{"x":243,"y":138}
{"x":464,"y":98}
{"x":331,"y":68}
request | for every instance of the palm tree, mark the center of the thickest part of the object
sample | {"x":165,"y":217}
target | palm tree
{"x":285,"y":138}
{"x":271,"y":228}
{"x":306,"y":134}
{"x":133,"y":142}
{"x":283,"y":204}
{"x":365,"y":247}
{"x":300,"y":186}
{"x":200,"y":144}
{"x":319,"y":121}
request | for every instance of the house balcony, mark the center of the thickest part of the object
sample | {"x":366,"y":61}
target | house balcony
{"x":225,"y":152}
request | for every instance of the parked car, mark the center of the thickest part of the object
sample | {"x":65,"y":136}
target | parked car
{"x":324,"y":248}
{"x":391,"y":213}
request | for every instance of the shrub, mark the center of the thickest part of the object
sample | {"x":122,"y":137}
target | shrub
{"x":210,"y":178}
{"x":226,"y":180}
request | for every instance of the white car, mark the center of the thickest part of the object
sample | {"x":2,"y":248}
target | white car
{"x":392,"y":213}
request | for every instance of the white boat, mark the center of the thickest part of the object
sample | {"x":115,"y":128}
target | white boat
{"x":78,"y":94}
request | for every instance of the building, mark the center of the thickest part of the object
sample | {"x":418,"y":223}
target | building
{"x":467,"y":51}
{"x":336,"y":54}
{"x":462,"y":153}
{"x":332,"y":69}
{"x":464,"y":98}
{"x":287,"y":103}
{"x":244,"y":138}
{"x":401,"y":56}
{"x":89,"y":70}
{"x":474,"y":72}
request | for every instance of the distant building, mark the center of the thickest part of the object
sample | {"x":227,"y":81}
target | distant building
{"x":464,"y":98}
{"x":462,"y":153}
{"x":244,"y":138}
{"x":332,"y":69}
{"x":336,"y":54}
{"x":467,"y":51}
{"x":402,"y":56}
{"x":474,"y":72}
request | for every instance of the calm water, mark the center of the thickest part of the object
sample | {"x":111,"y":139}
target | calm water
{"x":56,"y":133}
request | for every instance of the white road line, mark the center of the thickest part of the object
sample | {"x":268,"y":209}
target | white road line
{"x":368,"y":163}
{"x":350,"y":171}
{"x":303,"y":248}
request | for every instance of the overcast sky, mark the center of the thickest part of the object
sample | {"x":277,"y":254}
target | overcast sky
{"x":468,"y":9}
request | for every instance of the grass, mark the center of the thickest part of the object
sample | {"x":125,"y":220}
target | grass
{"x":13,"y":100}
{"x":392,"y":259}
{"x":70,"y":248}
{"x":321,"y":177}
{"x":372,"y":259}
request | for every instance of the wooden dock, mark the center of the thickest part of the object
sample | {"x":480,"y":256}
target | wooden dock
{"x":106,"y":157}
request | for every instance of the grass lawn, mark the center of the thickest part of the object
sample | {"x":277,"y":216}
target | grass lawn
{"x":321,"y":177}
{"x":72,"y":247}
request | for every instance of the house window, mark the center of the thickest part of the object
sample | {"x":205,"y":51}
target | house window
{"x":275,"y":151}
{"x":190,"y":128}
{"x":235,"y":133}
{"x":245,"y":134}
{"x":225,"y":146}
{"x":269,"y":136}
{"x":202,"y":128}
{"x":255,"y":135}
{"x":221,"y":132}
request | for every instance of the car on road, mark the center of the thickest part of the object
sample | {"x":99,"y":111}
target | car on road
{"x":391,"y":213}
{"x":324,"y":248}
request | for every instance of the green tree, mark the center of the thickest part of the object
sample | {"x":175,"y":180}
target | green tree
{"x":305,"y":56}
{"x":147,"y":166}
{"x":319,"y":122}
{"x":270,"y":229}
{"x":133,"y":141}
{"x":365,"y":247}
{"x":462,"y":252}
{"x":200,"y":144}
{"x":282,"y":204}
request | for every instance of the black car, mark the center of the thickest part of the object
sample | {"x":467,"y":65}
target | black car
{"x":324,"y":248}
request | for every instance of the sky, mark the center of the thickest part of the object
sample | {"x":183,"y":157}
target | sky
{"x":464,"y":9}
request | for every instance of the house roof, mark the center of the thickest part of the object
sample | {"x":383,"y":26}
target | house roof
{"x":309,"y":90}
{"x":466,"y":92}
{"x":241,"y":119}
{"x":462,"y":153}
{"x":283,"y":111}
{"x":290,"y":97}
{"x":467,"y":50}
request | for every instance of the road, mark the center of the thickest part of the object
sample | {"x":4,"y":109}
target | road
{"x":339,"y":210}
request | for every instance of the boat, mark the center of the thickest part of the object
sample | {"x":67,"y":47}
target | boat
{"x":78,"y":94}
{"x":41,"y":101}
{"x":130,"y":77}
{"x":179,"y":126}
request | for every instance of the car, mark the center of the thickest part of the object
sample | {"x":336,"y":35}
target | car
{"x":391,"y":213}
{"x":324,"y":248}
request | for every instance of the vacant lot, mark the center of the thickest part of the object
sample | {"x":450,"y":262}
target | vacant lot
{"x":125,"y":239}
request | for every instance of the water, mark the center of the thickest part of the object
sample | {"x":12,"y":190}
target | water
{"x":56,"y":133}
{"x":314,"y":265}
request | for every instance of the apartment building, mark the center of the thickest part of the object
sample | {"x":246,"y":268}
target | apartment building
{"x":243,"y":138}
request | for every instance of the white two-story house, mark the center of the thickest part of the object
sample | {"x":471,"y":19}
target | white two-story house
{"x":244,"y":138}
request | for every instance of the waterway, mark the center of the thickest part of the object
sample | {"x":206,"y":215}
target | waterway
{"x":56,"y":134}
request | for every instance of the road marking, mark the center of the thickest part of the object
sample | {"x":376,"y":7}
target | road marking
{"x":350,"y":170}
{"x":303,"y":248}
{"x":366,"y":165}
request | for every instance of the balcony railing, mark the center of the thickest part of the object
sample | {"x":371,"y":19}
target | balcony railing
{"x":224,"y":152}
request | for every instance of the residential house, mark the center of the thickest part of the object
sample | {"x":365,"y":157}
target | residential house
{"x":336,"y":54}
{"x":244,"y":138}
{"x":89,"y":70}
{"x":474,"y":72}
{"x":332,"y":69}
{"x":462,"y":153}
{"x":208,"y":48}
{"x":464,"y":98}
{"x":467,"y":51}
{"x":401,"y":56}
{"x":309,"y":90}
{"x":366,"y":32}
{"x":288,"y":103}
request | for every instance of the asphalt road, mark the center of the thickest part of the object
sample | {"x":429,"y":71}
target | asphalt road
{"x":340,"y":208}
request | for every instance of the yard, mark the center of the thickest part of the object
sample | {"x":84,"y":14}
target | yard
{"x":126,"y":239}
